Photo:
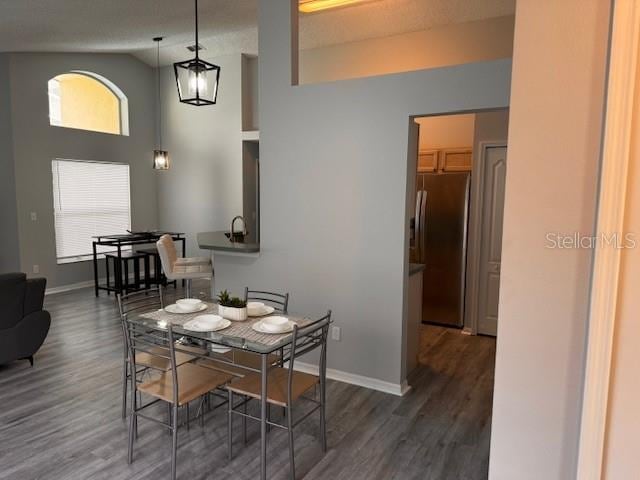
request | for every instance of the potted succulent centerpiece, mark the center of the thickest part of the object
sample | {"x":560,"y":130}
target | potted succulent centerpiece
{"x":232,"y":308}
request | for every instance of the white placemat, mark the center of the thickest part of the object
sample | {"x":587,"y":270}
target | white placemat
{"x":236,"y":329}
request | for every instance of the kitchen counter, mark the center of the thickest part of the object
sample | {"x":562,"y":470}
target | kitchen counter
{"x":219,"y":243}
{"x":415,"y":268}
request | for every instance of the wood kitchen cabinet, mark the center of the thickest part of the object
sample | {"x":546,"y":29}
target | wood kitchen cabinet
{"x":455,"y":160}
{"x":445,"y":160}
{"x":428,"y":161}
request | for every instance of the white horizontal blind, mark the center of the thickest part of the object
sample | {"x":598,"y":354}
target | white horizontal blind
{"x":89,"y":199}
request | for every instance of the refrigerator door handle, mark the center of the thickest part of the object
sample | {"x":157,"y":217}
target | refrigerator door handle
{"x":421,"y":217}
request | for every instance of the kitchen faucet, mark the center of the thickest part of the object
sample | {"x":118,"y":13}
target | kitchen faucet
{"x":233,"y":223}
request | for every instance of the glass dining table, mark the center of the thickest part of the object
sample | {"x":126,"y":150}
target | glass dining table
{"x":238,"y":336}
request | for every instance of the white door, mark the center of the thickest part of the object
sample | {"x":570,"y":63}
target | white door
{"x":493,"y":182}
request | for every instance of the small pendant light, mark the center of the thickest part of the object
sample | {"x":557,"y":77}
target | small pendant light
{"x":197,"y":80}
{"x":160,"y":156}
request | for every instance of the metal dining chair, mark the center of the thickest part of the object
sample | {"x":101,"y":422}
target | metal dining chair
{"x":280,"y":301}
{"x":241,"y":360}
{"x":285,"y":385}
{"x":177,"y":386}
{"x":136,"y":303}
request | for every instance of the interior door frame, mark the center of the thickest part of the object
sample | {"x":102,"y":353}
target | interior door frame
{"x":623,"y":77}
{"x":413,"y":147}
{"x":474,"y":241}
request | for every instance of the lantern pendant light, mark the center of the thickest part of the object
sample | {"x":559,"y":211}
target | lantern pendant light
{"x":196,"y":79}
{"x":160,"y":156}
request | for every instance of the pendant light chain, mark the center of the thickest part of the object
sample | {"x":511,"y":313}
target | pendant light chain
{"x":198,"y":73}
{"x":159,"y":95}
{"x":160,"y":156}
{"x":197,"y":45}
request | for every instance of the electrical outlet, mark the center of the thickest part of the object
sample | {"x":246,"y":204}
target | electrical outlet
{"x":36,"y":269}
{"x":34,"y":217}
{"x":336,"y":333}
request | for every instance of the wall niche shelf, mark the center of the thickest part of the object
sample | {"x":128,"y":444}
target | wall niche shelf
{"x":250,"y":135}
{"x":249,"y":79}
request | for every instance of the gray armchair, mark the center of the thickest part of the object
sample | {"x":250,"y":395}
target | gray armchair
{"x":23,"y":323}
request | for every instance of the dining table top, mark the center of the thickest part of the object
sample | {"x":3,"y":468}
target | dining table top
{"x":239,"y":334}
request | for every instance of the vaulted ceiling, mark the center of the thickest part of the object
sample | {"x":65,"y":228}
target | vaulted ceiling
{"x":226,"y":26}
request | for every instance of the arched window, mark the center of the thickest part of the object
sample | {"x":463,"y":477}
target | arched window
{"x":87,"y":101}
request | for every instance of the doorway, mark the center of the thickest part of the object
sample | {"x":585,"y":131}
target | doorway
{"x":455,"y":199}
{"x":456,"y":224}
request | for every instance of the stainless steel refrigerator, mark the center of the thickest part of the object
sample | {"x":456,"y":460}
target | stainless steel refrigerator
{"x":440,"y":242}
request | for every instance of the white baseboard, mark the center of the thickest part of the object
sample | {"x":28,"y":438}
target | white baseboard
{"x":467,"y":331}
{"x":68,"y":288}
{"x":359,"y":380}
{"x":79,"y":285}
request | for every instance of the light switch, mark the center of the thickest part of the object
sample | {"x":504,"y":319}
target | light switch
{"x":36,"y":269}
{"x":336,"y":334}
{"x":34,"y":216}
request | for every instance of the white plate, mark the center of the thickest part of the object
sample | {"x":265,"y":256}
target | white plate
{"x":259,"y":311}
{"x":173,"y":308}
{"x":206,"y":323}
{"x":218,"y":348}
{"x":275,"y":323}
{"x":258,"y":328}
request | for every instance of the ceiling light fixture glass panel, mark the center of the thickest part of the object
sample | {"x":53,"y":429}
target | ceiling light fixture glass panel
{"x":312,"y":6}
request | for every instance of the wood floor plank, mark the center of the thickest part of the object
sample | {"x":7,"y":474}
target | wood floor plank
{"x":60,"y":420}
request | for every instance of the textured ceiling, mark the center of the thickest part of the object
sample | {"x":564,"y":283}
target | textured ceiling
{"x":226,"y":26}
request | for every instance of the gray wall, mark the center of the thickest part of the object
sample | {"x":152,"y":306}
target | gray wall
{"x":9,"y":246}
{"x":334,"y":216}
{"x":36,"y":143}
{"x":490,"y":127}
{"x":203,"y":189}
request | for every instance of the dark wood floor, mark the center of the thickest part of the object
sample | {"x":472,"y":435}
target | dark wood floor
{"x":61,"y":419}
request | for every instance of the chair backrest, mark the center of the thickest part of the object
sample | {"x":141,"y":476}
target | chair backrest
{"x":168,"y":254}
{"x":280,"y":301}
{"x":306,"y":339}
{"x":136,"y":303}
{"x":155,"y":342}
{"x":140,"y":302}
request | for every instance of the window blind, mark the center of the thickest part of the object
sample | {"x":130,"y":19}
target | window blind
{"x":89,"y":199}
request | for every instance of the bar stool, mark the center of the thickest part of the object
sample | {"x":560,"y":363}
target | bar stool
{"x":121,"y":266}
{"x":182,"y":268}
{"x":158,"y":277}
